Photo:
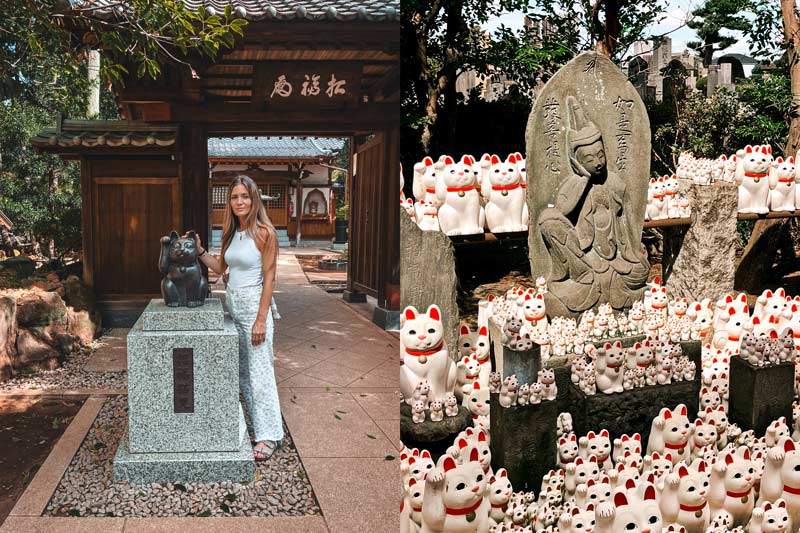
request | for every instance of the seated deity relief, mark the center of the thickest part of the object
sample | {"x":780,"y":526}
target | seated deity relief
{"x":590,"y":195}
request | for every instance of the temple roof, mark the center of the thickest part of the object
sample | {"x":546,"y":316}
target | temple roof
{"x":342,"y":10}
{"x":273,"y":147}
{"x":77,"y":134}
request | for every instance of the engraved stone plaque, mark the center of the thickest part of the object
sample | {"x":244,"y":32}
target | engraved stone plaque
{"x":183,"y":380}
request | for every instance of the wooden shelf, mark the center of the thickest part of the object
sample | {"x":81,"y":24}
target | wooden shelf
{"x":479,"y":238}
{"x":668,"y":222}
{"x":771,"y":214}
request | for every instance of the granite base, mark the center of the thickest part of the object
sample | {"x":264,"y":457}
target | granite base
{"x":759,"y":395}
{"x":187,"y":467}
{"x":158,"y":316}
{"x":435,"y":437}
{"x":524,"y":441}
{"x":631,"y":411}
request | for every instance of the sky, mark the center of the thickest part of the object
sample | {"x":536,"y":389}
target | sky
{"x":675,"y":16}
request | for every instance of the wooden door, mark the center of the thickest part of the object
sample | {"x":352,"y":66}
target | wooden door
{"x":132,"y":214}
{"x":365,"y":232}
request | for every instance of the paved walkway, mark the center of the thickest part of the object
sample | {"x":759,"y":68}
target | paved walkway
{"x":338,"y":386}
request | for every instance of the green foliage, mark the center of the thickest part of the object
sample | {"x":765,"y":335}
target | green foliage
{"x":765,"y":33}
{"x":342,"y":212}
{"x":757,"y":113}
{"x":39,"y":192}
{"x":140,"y":35}
{"x":711,"y":19}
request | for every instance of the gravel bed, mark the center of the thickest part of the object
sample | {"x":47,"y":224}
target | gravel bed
{"x":87,"y":488}
{"x":71,"y":375}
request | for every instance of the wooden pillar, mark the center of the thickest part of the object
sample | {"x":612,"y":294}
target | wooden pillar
{"x":390,"y":214}
{"x":194,"y":179}
{"x":298,"y":207}
{"x":87,"y":227}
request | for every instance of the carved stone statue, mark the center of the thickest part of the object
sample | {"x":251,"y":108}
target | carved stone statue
{"x":588,"y":143}
{"x":184,"y":283}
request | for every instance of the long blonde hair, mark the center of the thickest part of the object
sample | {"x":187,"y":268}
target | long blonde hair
{"x":256,"y":218}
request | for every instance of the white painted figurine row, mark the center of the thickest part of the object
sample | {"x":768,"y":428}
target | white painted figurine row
{"x":701,"y":475}
{"x":462,"y":197}
{"x":664,"y":201}
{"x":765,"y":183}
{"x":512,"y":393}
{"x":612,"y":368}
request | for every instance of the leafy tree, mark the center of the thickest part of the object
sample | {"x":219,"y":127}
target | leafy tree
{"x":711,"y":19}
{"x":40,"y":37}
{"x":43,"y":72}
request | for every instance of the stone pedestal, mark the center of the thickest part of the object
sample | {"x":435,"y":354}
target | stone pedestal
{"x":428,"y":275}
{"x":759,"y":395}
{"x":709,"y":246}
{"x":524,"y":364}
{"x":524,"y":442}
{"x":435,"y":437}
{"x":630,"y":411}
{"x":185,"y":422}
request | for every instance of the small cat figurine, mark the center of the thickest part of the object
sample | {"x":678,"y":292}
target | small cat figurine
{"x":418,"y":412}
{"x":184,"y":283}
{"x":770,"y":518}
{"x":436,"y":411}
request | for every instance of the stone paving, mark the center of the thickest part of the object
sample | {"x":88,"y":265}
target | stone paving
{"x":338,"y":385}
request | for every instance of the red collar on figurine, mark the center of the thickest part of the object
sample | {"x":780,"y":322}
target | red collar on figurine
{"x":791,"y":490}
{"x":464,"y":510}
{"x":738,"y":494}
{"x":461,"y":189}
{"x":675,"y":446}
{"x":430,"y":190}
{"x":785,"y":180}
{"x":533,"y":319}
{"x":481,"y":361}
{"x":418,"y":353}
{"x":643,"y":365}
{"x":658,"y":195}
{"x":505,"y":187}
{"x":733,"y":338}
{"x":660,"y":306}
{"x":756,"y":175}
{"x":416,"y":509}
{"x":609,"y":365}
{"x":693,"y":508}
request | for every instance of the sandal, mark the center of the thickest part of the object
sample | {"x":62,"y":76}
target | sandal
{"x":265,"y":449}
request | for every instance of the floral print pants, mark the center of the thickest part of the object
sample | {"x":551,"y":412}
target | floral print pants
{"x":256,"y":371}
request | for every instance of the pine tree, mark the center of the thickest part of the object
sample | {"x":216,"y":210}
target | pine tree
{"x":711,"y":19}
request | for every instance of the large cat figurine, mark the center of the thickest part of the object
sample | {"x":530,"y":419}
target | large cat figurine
{"x":456,"y":496}
{"x":461,"y":212}
{"x":732,"y":480}
{"x":424,"y":184}
{"x":424,"y":353}
{"x":781,"y":477}
{"x":504,"y":196}
{"x":752,"y":173}
{"x":684,"y":499}
{"x":781,"y":185}
{"x":184,"y":283}
{"x":669,"y":432}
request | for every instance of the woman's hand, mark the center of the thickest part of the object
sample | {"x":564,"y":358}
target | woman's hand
{"x":198,"y":244}
{"x":259,"y":332}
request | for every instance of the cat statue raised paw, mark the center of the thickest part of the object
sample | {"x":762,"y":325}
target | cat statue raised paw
{"x":456,"y":496}
{"x":770,"y":517}
{"x":418,"y":412}
{"x":424,"y":353}
{"x":461,"y":212}
{"x":505,"y":197}
{"x":752,"y":173}
{"x":184,"y":283}
{"x":782,"y":185}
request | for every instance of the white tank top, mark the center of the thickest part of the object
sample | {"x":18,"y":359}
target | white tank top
{"x":244,"y":260}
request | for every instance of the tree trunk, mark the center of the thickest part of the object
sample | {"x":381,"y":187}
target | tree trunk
{"x":708,"y":54}
{"x":791,"y":27}
{"x":768,"y":235}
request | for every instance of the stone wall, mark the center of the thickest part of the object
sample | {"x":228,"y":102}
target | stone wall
{"x":43,"y":324}
{"x":428,"y":274}
{"x":701,"y":262}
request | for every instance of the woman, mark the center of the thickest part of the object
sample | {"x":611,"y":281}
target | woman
{"x":250,"y":249}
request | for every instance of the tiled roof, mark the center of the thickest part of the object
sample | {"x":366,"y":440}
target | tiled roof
{"x":343,"y":10}
{"x":274,"y":147}
{"x":92,"y":133}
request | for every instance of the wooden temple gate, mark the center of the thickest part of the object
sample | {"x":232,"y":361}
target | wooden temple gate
{"x":145,"y":175}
